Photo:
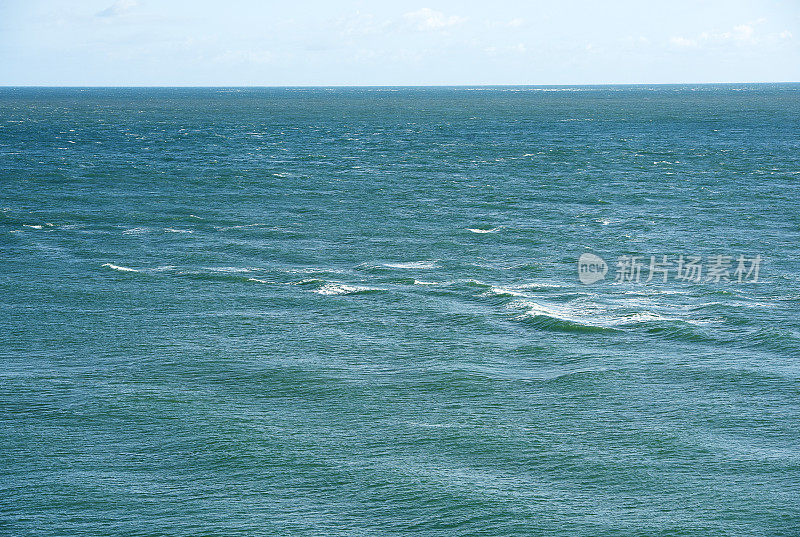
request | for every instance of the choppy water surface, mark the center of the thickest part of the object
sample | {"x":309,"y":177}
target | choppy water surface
{"x":357,"y":312}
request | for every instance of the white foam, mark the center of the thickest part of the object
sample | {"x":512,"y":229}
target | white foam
{"x":506,"y":291}
{"x":135,"y":231}
{"x":229,"y":269}
{"x":341,"y":289}
{"x":243,"y":226}
{"x":420,"y":282}
{"x":412,"y":265}
{"x":476,"y":230}
{"x":314,"y":270}
{"x":539,"y":285}
{"x":557,"y":312}
{"x":173,"y":230}
{"x":118,"y":267}
{"x":307,"y":280}
{"x":256,"y":280}
{"x":32,"y":226}
{"x":587,"y":315}
{"x":592,"y":314}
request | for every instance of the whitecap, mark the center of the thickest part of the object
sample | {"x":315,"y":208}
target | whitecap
{"x":411,"y":265}
{"x":135,"y":231}
{"x":229,"y":269}
{"x":32,"y":226}
{"x":329,"y":289}
{"x":242,"y":226}
{"x":641,"y":317}
{"x":588,"y":315}
{"x":173,"y":230}
{"x":500,"y":291}
{"x":314,"y":270}
{"x":306,"y":281}
{"x":539,"y":285}
{"x":119,"y":267}
{"x":477,"y":230}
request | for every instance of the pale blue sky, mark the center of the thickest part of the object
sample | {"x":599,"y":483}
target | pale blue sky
{"x":246,"y":42}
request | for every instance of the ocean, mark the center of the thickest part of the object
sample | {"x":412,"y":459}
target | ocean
{"x":361,"y":311}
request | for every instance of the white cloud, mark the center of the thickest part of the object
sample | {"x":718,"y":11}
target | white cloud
{"x":741,"y":34}
{"x":682,"y":42}
{"x":361,"y":24}
{"x":427,"y":19}
{"x":120,"y":7}
{"x":786,"y":34}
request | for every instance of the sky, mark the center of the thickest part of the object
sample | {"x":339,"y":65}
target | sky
{"x":354,"y":42}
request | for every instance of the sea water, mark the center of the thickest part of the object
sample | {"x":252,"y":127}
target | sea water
{"x":358,"y":311}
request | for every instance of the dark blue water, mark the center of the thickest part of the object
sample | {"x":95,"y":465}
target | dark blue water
{"x":358,"y":311}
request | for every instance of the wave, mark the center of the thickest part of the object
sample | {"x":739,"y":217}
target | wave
{"x":523,"y":290}
{"x":173,"y":230}
{"x":411,"y":265}
{"x":559,"y":324}
{"x":503,"y":291}
{"x":229,"y":270}
{"x":327,"y":288}
{"x":539,"y":286}
{"x":310,"y":281}
{"x":242,"y":226}
{"x":136,"y":231}
{"x":332,"y":289}
{"x":119,"y":267}
{"x":562,"y":318}
{"x":478,"y":230}
{"x":314,"y":270}
{"x":229,"y":277}
{"x":411,"y":281}
{"x":681,"y":331}
{"x":596,"y":318}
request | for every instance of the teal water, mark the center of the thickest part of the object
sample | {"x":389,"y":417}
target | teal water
{"x":357,"y":312}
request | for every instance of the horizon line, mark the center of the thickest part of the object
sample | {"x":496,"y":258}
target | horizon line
{"x":265,"y":86}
